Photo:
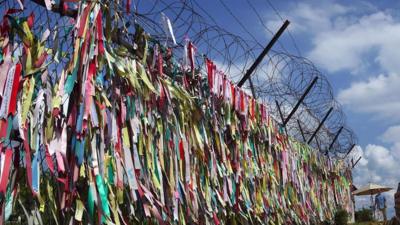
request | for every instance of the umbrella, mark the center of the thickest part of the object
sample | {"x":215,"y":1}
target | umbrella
{"x":371,"y":189}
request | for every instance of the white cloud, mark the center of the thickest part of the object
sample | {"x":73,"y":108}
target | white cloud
{"x":381,"y":160}
{"x":359,"y":39}
{"x":378,"y":95}
{"x":378,"y":165}
{"x":305,"y":17}
{"x":392,"y":134}
{"x":356,"y":153}
{"x":345,"y":46}
{"x":342,"y":36}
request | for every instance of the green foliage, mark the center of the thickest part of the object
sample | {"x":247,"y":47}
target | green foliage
{"x":30,"y":203}
{"x":326,"y":222}
{"x":341,"y":217}
{"x":363,"y":215}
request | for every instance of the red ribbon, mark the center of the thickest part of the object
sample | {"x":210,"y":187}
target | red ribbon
{"x":3,"y":128}
{"x":191,"y":55}
{"x":162,"y":96}
{"x":6,"y":170}
{"x":40,"y":60}
{"x":253,"y":105}
{"x":233,"y":91}
{"x":13,"y":98}
{"x":30,"y":20}
{"x":262,"y":112}
{"x":224,"y":87}
{"x":49,"y":160}
{"x":88,"y":92}
{"x":216,"y":221}
{"x":181,"y":150}
{"x":241,"y":100}
{"x":128,"y":6}
{"x":210,"y":73}
{"x":99,"y":25}
{"x":84,"y":16}
{"x":160,"y":62}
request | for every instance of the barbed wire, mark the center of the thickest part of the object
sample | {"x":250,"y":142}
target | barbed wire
{"x":281,"y":77}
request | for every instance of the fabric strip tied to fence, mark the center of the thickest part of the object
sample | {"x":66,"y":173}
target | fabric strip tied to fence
{"x":118,"y":137}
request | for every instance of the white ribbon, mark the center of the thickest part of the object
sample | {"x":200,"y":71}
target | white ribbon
{"x":4,"y":68}
{"x":7,"y":93}
{"x":45,"y":35}
{"x":49,"y":4}
{"x":130,"y":171}
{"x":168,"y":27}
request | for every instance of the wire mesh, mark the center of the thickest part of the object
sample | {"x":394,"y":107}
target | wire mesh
{"x":282,"y":77}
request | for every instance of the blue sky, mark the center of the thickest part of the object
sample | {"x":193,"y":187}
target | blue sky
{"x":356,"y":45}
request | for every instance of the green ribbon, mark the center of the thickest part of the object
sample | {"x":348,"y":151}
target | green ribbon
{"x":103,"y":195}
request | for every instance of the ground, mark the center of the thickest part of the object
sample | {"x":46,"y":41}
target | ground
{"x":368,"y":223}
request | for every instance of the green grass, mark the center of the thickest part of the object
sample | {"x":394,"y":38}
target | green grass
{"x":368,"y":223}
